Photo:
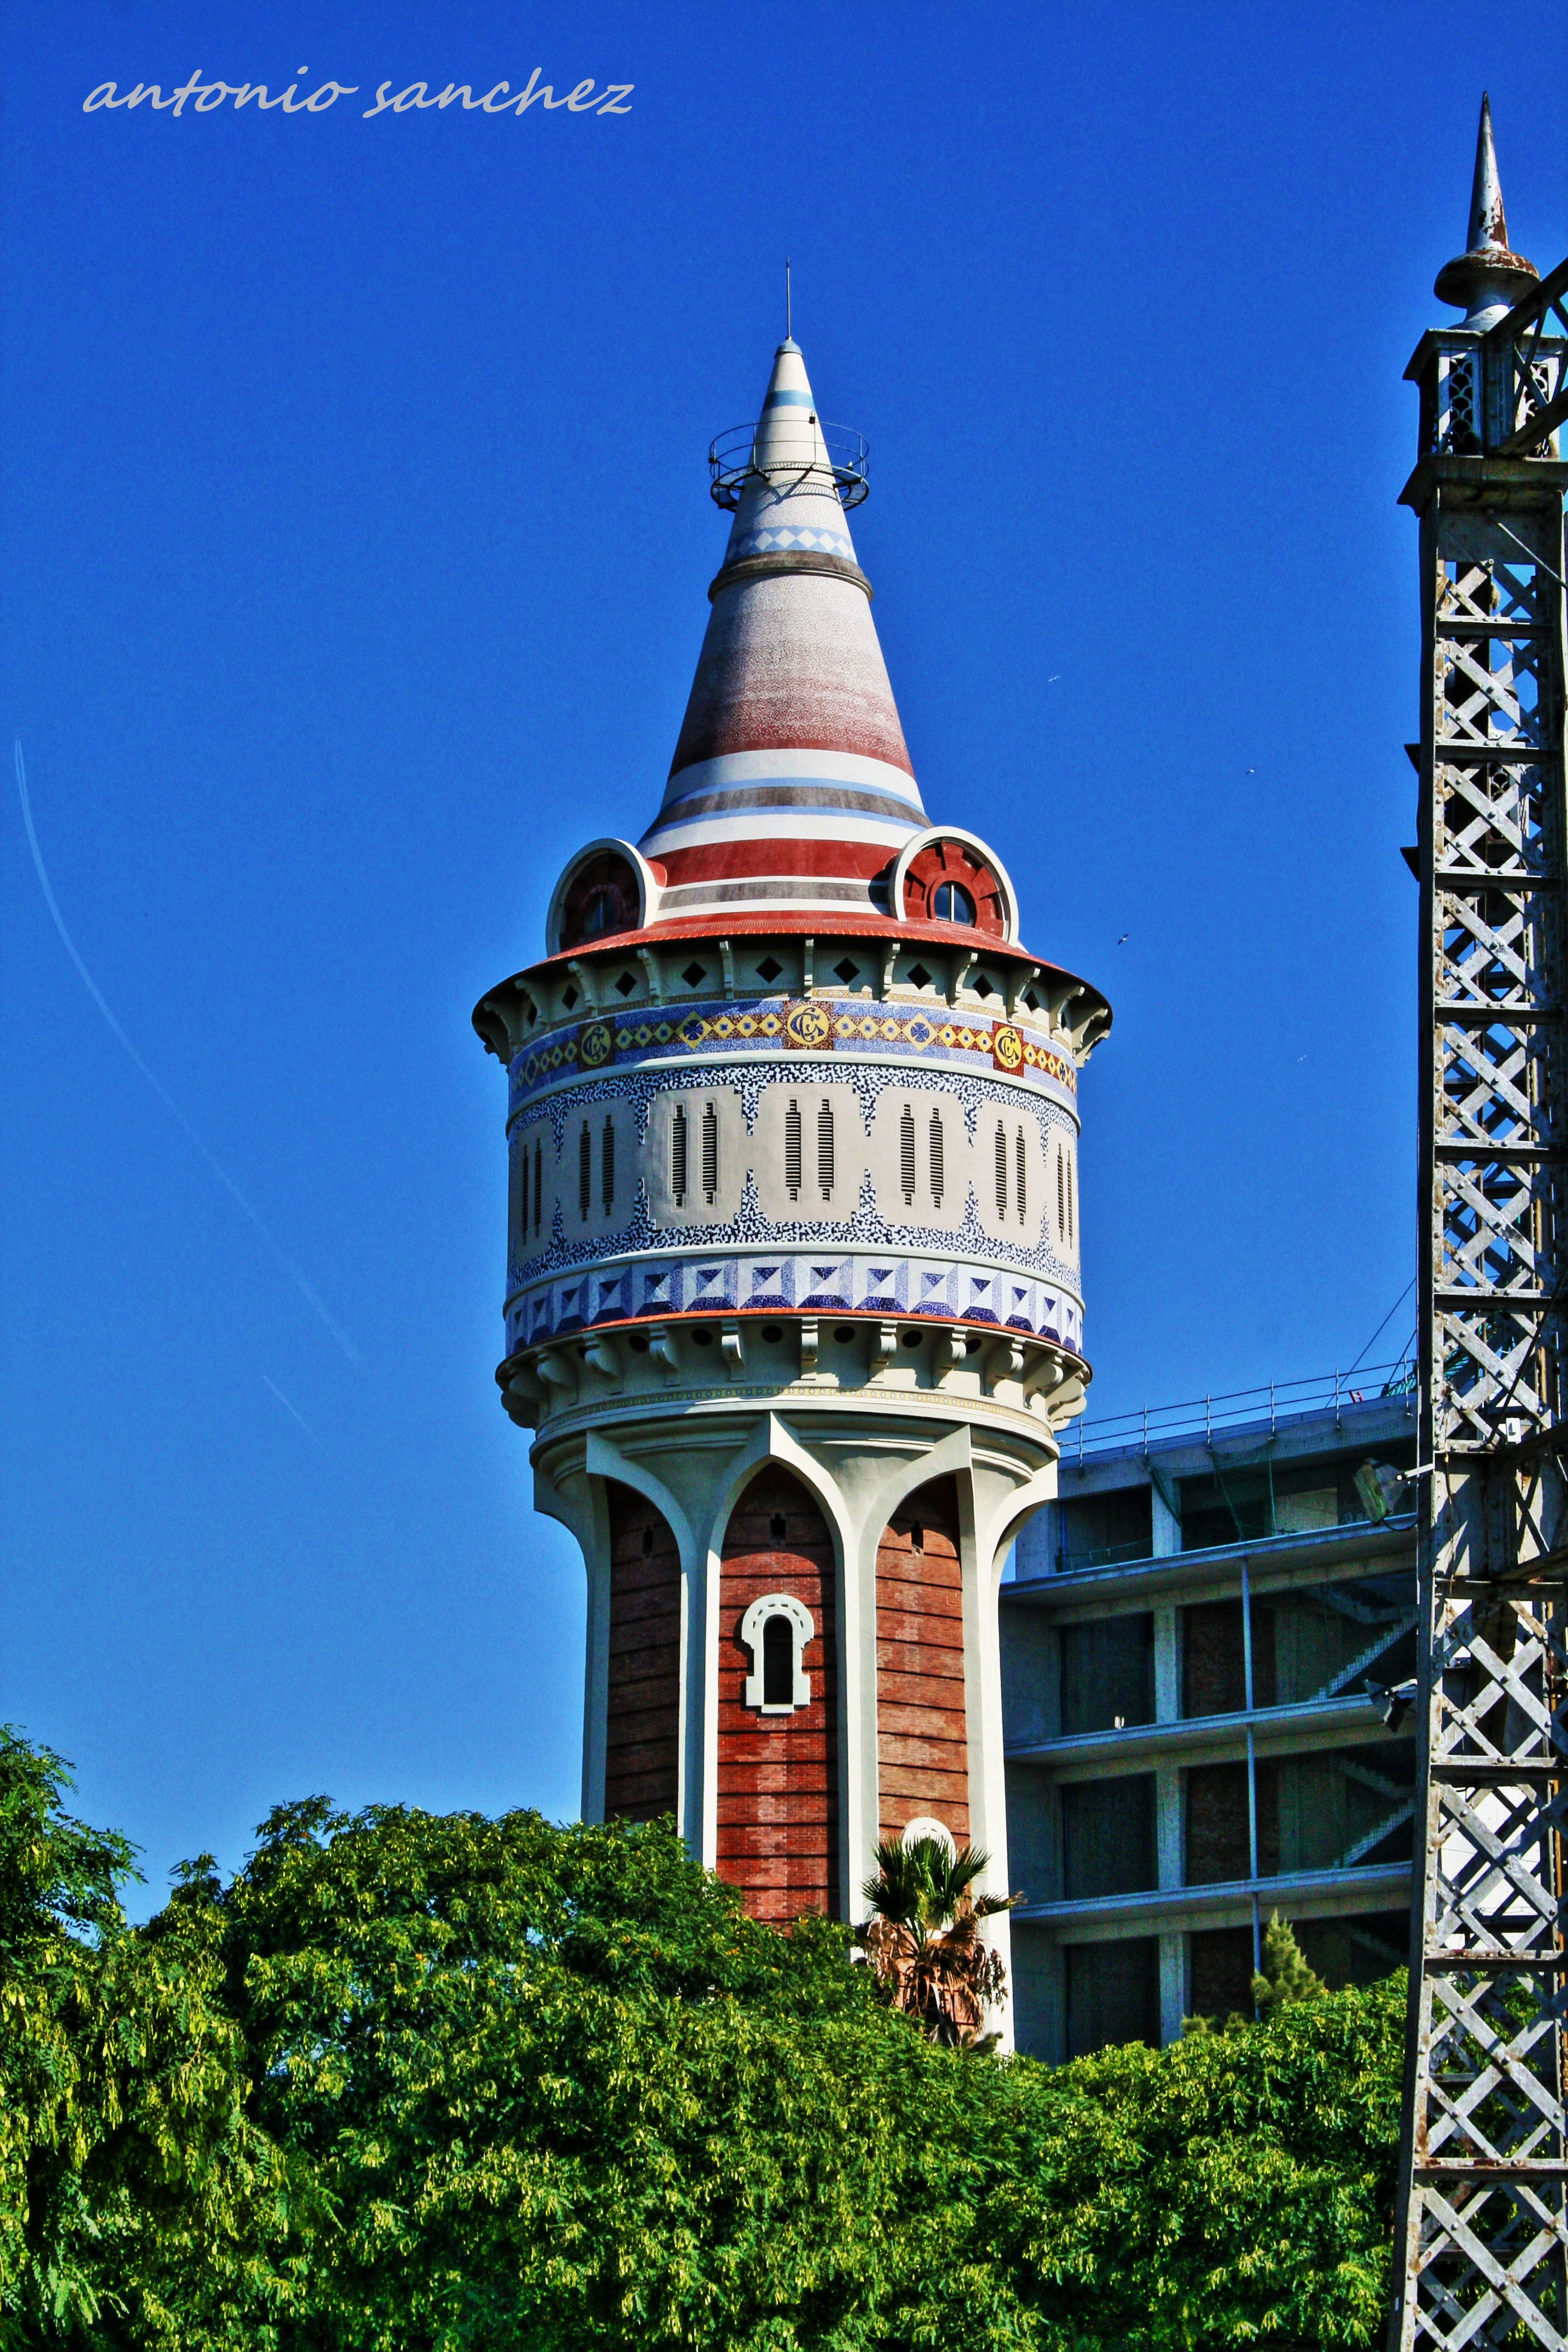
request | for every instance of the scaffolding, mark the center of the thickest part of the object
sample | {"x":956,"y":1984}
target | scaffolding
{"x":1481,"y":2249}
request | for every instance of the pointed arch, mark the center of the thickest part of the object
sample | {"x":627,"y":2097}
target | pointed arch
{"x":922,"y":1735}
{"x":778,"y":1783}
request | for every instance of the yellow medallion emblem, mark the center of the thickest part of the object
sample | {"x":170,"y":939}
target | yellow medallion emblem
{"x":595,"y":1044}
{"x":809,"y":1028}
{"x":1007,"y":1047}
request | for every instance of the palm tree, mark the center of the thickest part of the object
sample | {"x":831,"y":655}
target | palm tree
{"x":923,"y":1938}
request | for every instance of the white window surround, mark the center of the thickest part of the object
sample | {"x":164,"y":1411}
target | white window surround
{"x":798,"y":1618}
{"x":648,"y":888}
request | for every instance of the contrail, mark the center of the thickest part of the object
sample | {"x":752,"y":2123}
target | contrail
{"x":298,"y":1415}
{"x":170,"y":1105}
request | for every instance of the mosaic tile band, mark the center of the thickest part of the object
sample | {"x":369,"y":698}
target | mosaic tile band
{"x":803,"y":1282}
{"x":816,"y":1026}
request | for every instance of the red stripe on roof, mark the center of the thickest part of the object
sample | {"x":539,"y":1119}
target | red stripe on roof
{"x":790,"y":662}
{"x":724,"y":861}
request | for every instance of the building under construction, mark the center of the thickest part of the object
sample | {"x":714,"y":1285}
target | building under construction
{"x":1197,"y":1645}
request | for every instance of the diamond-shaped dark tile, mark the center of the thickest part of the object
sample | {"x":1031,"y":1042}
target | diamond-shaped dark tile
{"x":693,"y":973}
{"x":626,"y":983}
{"x":846,"y":970}
{"x":570,"y":999}
{"x":1031,"y":999}
{"x":768,"y":969}
{"x":983,"y":987}
{"x":920,"y":975}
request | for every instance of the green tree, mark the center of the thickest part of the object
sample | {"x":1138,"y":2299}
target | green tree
{"x":410,"y":2083}
{"x":133,"y":2189}
{"x":1285,"y":1975}
{"x":560,"y":2091}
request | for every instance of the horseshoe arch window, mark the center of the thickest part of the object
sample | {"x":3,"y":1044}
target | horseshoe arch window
{"x":776,"y":1630}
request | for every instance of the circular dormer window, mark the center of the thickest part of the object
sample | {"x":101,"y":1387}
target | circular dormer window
{"x":601,"y":899}
{"x":949,"y":882}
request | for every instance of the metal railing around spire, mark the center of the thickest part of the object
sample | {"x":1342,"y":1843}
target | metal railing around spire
{"x":730,"y":466}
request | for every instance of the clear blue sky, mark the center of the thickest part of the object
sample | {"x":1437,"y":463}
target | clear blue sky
{"x":356,"y":539}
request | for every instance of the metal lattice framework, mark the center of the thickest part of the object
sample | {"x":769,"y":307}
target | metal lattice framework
{"x":1482,"y":2242}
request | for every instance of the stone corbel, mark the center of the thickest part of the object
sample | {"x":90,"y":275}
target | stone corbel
{"x":1046,"y":1373}
{"x":664,"y":1347}
{"x":523,"y":1396}
{"x":884,"y":1349}
{"x":1062,"y":1403}
{"x":602,"y":1353}
{"x":649,"y":958}
{"x":582,"y":974}
{"x":494,"y":1022}
{"x":889,"y":960}
{"x":1003,"y":1361}
{"x":1060,"y":997}
{"x":556,"y":1369}
{"x":733,"y":1344}
{"x":962,"y":969}
{"x":1019,"y":982}
{"x":521,"y":1411}
{"x":727,"y":953}
{"x":808,"y":1346}
{"x":808,"y":967}
{"x":950,"y":1350}
{"x":1095,"y":1028}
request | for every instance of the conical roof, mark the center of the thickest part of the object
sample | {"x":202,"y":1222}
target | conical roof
{"x":791,"y":785}
{"x":1487,"y":280}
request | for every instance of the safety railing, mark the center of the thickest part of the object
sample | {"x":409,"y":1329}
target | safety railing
{"x":1245,"y":1408}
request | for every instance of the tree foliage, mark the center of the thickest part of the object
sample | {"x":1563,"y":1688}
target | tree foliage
{"x":128,"y":2160}
{"x":923,"y":1938}
{"x":412,"y":2083}
{"x":1286,"y":1974}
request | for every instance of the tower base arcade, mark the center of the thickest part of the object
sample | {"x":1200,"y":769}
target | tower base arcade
{"x":792,"y":1619}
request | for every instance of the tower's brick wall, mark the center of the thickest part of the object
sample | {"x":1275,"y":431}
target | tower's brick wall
{"x":641,"y":1745}
{"x":923,"y":1744}
{"x":778,"y":1774}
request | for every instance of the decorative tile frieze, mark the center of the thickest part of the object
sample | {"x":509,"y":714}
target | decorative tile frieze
{"x":841,"y":1026}
{"x":804,"y":1282}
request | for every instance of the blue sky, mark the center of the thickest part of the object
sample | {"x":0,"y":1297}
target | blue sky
{"x":357,"y":540}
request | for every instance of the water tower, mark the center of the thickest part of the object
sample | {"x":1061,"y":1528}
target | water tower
{"x":792,"y":1305}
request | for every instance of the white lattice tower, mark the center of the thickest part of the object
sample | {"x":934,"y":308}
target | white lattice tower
{"x":1481,"y":2247}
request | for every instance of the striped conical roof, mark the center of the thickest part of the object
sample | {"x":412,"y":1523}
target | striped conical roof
{"x":791,"y":786}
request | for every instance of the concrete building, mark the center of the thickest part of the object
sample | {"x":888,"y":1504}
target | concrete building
{"x":1187,"y":1645}
{"x":793,"y":1309}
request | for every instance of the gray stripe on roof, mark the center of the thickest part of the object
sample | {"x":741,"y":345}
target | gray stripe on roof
{"x":781,"y":886}
{"x":811,"y":796}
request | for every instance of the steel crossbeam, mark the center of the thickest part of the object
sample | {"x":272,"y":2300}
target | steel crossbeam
{"x":1481,"y":2249}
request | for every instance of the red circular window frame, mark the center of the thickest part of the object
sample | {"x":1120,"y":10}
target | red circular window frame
{"x":607,"y":871}
{"x":955,"y":861}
